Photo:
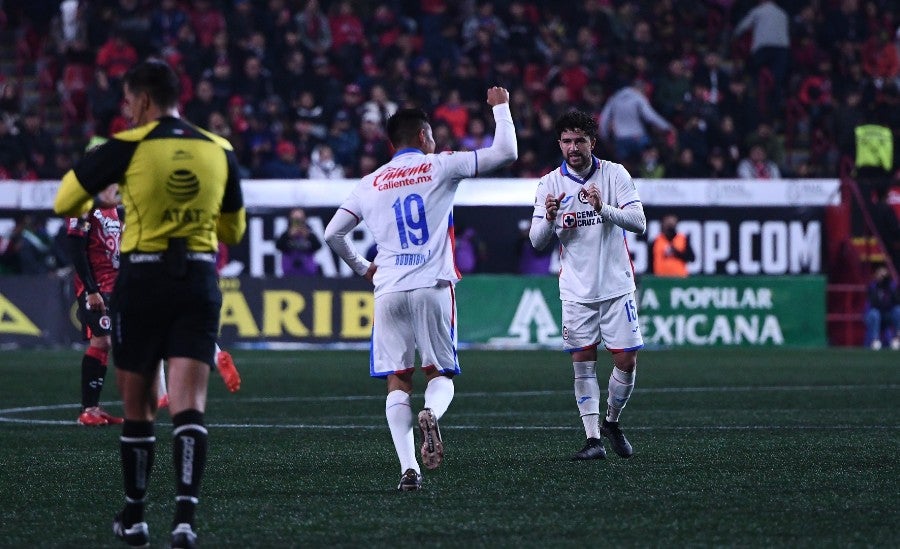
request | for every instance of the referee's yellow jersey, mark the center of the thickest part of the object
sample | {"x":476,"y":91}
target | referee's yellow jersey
{"x":176,"y":181}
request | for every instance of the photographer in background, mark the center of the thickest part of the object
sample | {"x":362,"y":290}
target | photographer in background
{"x":671,"y":250}
{"x":298,"y":246}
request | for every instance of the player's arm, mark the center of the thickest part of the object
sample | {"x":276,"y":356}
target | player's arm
{"x":232,"y":217}
{"x":546,"y":206}
{"x":337,"y":236}
{"x":504,"y":148}
{"x":100,"y":168}
{"x":77,"y":240}
{"x":630,"y":214}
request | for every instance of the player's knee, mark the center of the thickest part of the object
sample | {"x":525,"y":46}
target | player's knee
{"x":627,"y":361}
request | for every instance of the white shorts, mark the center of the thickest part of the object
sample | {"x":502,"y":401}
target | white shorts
{"x":613,"y":322}
{"x":423,"y":319}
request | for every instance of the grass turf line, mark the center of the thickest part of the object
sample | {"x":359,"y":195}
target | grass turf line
{"x":733,"y":447}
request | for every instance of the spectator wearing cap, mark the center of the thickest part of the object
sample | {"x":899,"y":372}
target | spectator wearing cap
{"x":283,"y":165}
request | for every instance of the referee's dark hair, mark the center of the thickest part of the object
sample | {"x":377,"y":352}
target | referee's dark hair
{"x":576,"y":120}
{"x":404,"y":125}
{"x":157,"y":79}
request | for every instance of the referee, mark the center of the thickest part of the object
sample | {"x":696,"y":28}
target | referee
{"x":182,"y":195}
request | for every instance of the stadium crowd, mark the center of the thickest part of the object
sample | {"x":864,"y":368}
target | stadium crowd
{"x":302,"y":88}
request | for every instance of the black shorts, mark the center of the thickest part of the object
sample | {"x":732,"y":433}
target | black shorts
{"x":93,"y":322}
{"x":158,"y":316}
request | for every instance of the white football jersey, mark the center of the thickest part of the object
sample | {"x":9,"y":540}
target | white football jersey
{"x":594,"y":257}
{"x":408,"y":206}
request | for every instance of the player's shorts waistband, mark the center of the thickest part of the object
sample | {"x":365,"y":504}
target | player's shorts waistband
{"x":138,"y":257}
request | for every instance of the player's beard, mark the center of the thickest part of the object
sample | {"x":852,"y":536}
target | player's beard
{"x":577,"y":161}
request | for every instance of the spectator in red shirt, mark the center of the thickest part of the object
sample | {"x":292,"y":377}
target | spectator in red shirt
{"x":572,"y":74}
{"x":348,"y":36}
{"x":207,"y":21}
{"x":454,"y":113}
{"x":116,"y":56}
{"x":880,"y":58}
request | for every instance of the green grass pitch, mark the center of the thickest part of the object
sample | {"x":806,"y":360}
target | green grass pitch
{"x":745,"y":448}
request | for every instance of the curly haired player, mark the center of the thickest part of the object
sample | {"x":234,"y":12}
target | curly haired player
{"x":589,"y":203}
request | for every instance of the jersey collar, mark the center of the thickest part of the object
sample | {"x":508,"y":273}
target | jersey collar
{"x":408,"y":150}
{"x":564,"y":169}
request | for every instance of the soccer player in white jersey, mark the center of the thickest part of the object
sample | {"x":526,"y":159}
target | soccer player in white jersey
{"x":408,"y":205}
{"x":589,"y":203}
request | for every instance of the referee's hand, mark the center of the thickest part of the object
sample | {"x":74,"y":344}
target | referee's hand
{"x":497,"y":96}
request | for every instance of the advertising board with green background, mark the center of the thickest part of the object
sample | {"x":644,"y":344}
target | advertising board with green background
{"x":499,"y":311}
{"x":515,"y":311}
